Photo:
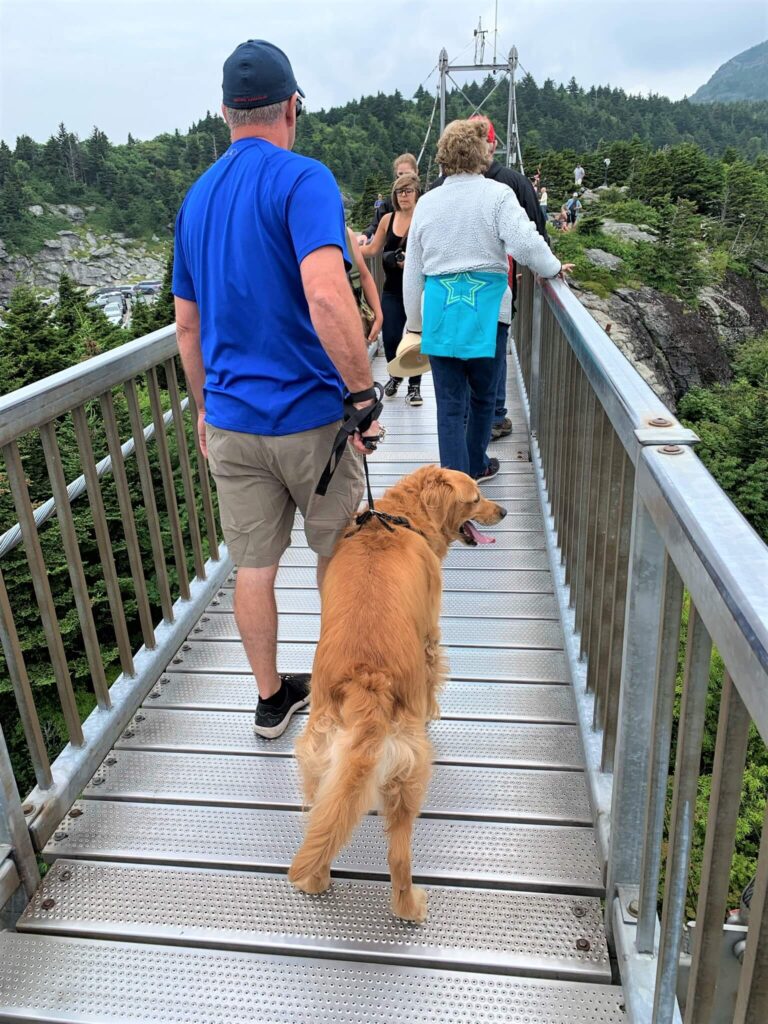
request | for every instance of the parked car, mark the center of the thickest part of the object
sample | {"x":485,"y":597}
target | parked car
{"x":104,"y":299}
{"x":114,"y":312}
{"x":147,"y":287}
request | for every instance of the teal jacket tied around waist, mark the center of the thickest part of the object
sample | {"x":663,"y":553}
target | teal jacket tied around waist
{"x":460,"y":314}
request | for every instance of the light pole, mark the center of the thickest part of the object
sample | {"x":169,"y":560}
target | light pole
{"x":607,"y":163}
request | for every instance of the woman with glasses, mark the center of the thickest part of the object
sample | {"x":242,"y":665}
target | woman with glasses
{"x":391,"y":239}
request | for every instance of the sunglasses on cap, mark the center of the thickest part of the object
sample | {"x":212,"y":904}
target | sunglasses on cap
{"x":299,"y":105}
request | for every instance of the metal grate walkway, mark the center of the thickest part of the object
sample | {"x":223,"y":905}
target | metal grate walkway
{"x":167,"y":900}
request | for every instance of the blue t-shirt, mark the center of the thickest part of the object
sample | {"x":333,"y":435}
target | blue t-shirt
{"x":241,"y":233}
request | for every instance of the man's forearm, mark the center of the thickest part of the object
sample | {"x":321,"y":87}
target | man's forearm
{"x":192,"y":360}
{"x":337,"y":321}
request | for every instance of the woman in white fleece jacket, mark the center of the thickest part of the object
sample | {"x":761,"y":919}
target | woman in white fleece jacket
{"x":457,"y":261}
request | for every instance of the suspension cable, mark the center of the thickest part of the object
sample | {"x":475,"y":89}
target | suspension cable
{"x":429,"y":129}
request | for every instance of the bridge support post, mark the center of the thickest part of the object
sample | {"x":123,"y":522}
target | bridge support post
{"x":535,"y":379}
{"x":645,"y":593}
{"x":13,"y":827}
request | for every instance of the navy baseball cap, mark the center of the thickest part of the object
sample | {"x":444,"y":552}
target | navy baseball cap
{"x":256,"y":75}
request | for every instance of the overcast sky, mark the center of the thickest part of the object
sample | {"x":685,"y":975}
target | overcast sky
{"x":150,"y":66}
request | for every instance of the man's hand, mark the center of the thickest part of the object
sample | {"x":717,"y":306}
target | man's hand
{"x":372,"y":431}
{"x":201,"y":433}
{"x":357,"y":439}
{"x":362,"y":239}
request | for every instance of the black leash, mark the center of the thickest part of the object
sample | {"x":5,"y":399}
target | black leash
{"x":372,"y":513}
{"x":354,"y":420}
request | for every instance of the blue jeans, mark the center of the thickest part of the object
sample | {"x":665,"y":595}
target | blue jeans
{"x":392,"y":329}
{"x":463,"y":447}
{"x":502,"y":337}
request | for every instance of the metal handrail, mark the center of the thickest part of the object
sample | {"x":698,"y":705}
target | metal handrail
{"x":637,"y":521}
{"x":42,"y":401}
{"x":38,"y":406}
{"x":722,"y":561}
{"x":77,"y":488}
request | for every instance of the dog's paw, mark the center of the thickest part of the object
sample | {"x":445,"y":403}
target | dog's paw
{"x":410,"y":905}
{"x":311,"y":884}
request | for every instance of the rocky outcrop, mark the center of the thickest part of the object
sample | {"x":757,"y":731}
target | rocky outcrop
{"x":672,"y":346}
{"x":627,"y":232}
{"x":89,"y":259}
{"x":601,"y":258}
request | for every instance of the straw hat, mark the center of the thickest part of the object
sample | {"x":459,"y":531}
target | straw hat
{"x":408,"y":361}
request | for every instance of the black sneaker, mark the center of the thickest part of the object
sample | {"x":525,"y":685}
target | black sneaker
{"x":414,"y":395}
{"x":390,"y":388}
{"x":489,"y":472}
{"x":272,"y":720}
{"x":503,"y":429}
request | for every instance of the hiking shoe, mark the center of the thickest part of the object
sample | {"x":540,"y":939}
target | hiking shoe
{"x":271,"y":719}
{"x":503,"y":429}
{"x":414,"y":395}
{"x":390,"y":388}
{"x":489,"y":472}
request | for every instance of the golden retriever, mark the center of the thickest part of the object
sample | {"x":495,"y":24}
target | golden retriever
{"x":376,"y":675}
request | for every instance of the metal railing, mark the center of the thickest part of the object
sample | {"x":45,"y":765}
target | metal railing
{"x":639,"y":523}
{"x":65,"y":414}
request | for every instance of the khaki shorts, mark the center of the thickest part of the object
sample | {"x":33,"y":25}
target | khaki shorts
{"x":261,"y":481}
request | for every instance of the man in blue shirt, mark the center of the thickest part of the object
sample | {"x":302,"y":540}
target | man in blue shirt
{"x":270,"y":337}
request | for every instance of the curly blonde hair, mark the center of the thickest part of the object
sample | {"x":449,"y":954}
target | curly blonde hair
{"x":404,"y":181}
{"x":463,"y":148}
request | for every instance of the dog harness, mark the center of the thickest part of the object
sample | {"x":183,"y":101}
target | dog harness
{"x":388,"y":521}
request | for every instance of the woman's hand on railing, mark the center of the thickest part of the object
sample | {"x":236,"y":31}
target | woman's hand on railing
{"x":201,"y":433}
{"x":565,"y":268}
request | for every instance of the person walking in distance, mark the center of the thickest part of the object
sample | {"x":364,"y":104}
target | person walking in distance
{"x":269,"y":336}
{"x":544,"y":202}
{"x":403,"y":164}
{"x":391,"y":239}
{"x":578,"y":175}
{"x":572,"y":208}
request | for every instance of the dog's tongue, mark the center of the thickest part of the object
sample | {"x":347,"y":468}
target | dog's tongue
{"x":476,"y":535}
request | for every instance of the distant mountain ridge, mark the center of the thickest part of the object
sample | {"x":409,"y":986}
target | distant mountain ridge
{"x":743,"y":77}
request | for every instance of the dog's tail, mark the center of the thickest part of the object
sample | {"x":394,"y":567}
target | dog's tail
{"x":348,"y":789}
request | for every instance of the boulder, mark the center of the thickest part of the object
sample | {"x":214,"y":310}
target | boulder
{"x":733,"y":309}
{"x":627,"y":232}
{"x":89,"y":259}
{"x":36,"y":210}
{"x":588,"y":196}
{"x":601,"y":258}
{"x":74,"y":213}
{"x":672,"y":346}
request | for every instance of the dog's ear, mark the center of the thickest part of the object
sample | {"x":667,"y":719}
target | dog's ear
{"x":437,"y":492}
{"x":465,"y":487}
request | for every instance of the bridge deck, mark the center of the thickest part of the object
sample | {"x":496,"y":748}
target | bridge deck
{"x":167,"y":899}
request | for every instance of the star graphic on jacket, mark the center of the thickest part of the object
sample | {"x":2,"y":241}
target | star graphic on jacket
{"x":455,"y":286}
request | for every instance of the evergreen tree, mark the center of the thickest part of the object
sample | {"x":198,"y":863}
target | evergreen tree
{"x":29,"y":346}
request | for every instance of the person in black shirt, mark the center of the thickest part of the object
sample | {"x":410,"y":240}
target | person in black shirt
{"x":403,"y":164}
{"x":391,"y":239}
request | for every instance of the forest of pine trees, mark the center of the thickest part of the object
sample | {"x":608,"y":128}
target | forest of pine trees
{"x":137,"y":186}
